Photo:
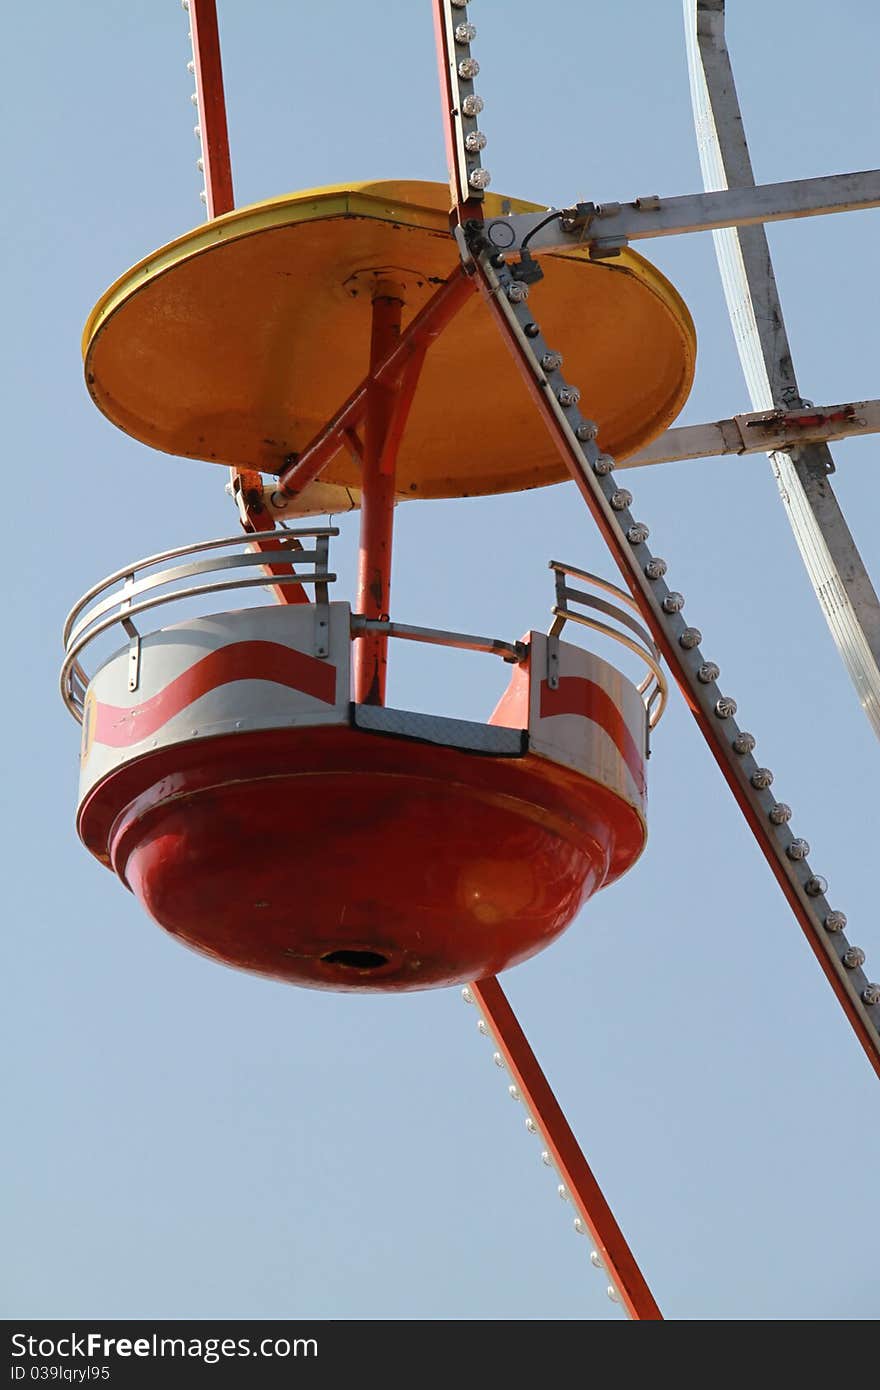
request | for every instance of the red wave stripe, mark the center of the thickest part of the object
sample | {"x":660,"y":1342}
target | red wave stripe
{"x":577,"y":695}
{"x":117,"y":726}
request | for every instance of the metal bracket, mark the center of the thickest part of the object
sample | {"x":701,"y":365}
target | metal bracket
{"x":322,"y":599}
{"x":322,"y":630}
{"x":553,"y":660}
{"x":527,"y":269}
{"x":576,"y":218}
{"x":134,"y":654}
{"x":464,"y":249}
{"x":134,"y":646}
{"x":603,"y":247}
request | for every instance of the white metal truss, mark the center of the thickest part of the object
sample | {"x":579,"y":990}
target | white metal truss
{"x":761,"y":431}
{"x":832,"y":560}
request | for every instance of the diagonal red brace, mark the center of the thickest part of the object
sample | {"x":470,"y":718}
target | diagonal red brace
{"x":672,"y":656}
{"x":427,"y":325}
{"x":611,"y":1246}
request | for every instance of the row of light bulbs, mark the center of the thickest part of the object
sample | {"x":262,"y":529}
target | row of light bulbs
{"x":194,"y":98}
{"x":620,"y":499}
{"x":470,"y":104}
{"x":532,"y":1127}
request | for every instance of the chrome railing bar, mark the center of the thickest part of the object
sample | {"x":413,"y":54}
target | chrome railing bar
{"x":178,"y":572}
{"x":438,"y":637}
{"x":156,"y":602}
{"x":163,"y":555}
{"x":635,"y":647}
{"x":612,"y":611}
{"x":596,"y":579}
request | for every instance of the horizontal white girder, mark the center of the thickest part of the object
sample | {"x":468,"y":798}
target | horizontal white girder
{"x":761,"y":432}
{"x":607,"y":226}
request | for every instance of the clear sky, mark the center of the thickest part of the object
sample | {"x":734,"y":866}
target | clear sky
{"x":186,"y":1141}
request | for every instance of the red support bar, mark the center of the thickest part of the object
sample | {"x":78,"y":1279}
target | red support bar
{"x":584,"y":1190}
{"x":212,"y":106}
{"x":623,"y":559}
{"x":219,"y":199}
{"x":428,"y":324}
{"x":387,"y":410}
{"x":377,"y":501}
{"x":248,"y":492}
{"x":711,"y":732}
{"x":305,"y":467}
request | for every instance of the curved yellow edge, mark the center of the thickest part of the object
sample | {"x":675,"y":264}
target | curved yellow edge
{"x":390,"y":200}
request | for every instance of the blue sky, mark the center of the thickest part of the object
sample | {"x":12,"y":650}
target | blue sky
{"x":185,"y":1141}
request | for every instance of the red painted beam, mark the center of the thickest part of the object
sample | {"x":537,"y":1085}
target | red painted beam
{"x":513,"y":1044}
{"x":212,"y":106}
{"x":377,"y":502}
{"x":247,"y":488}
{"x":575,"y":1171}
{"x":219,"y":198}
{"x":387,"y":410}
{"x":712,"y":732}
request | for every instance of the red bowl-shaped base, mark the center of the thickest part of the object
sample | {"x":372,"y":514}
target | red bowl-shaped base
{"x":341,"y":859}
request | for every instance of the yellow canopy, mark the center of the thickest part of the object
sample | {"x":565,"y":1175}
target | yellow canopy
{"x":237,"y":341}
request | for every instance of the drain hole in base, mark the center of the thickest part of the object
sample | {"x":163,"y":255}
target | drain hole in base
{"x":356,"y":960}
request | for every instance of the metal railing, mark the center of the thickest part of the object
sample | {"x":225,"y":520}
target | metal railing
{"x":135,"y":592}
{"x":653,"y":689}
{"x":139,"y":587}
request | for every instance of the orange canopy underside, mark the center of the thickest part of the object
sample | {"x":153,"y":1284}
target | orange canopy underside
{"x":236,"y":342}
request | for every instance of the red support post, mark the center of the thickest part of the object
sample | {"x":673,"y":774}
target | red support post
{"x":586,"y":1195}
{"x":387,"y":408}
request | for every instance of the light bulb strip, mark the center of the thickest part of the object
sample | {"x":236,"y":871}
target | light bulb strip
{"x":459,"y":68}
{"x":544,"y":1118}
{"x":679,"y":643}
{"x":210,"y":102}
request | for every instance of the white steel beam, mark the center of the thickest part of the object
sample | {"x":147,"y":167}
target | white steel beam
{"x":609,"y":226}
{"x":760,"y":432}
{"x":835,"y":568}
